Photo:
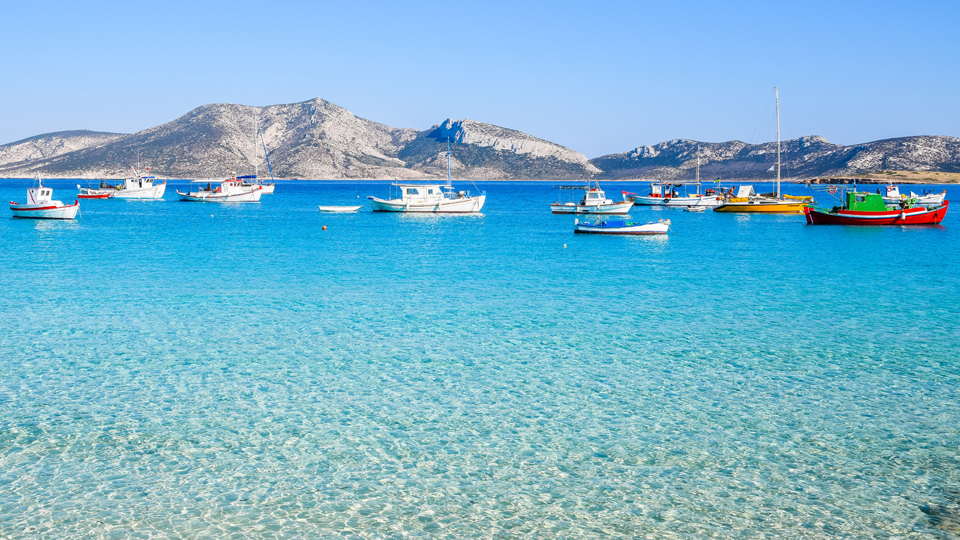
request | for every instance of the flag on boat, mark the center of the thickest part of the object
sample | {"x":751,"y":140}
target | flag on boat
{"x":717,"y":181}
{"x":772,"y":168}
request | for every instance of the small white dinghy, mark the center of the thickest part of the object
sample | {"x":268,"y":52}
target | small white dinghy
{"x":339,"y":209}
{"x":695,"y":209}
{"x":40,"y":205}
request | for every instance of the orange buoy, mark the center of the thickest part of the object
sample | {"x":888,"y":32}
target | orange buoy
{"x":324,"y":227}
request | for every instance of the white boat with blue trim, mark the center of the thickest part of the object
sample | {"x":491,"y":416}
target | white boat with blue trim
{"x":602,"y":226}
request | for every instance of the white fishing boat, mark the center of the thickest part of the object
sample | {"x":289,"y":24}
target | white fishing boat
{"x":621,"y":227}
{"x":893,"y":196}
{"x":706,"y":198}
{"x":139,"y":186}
{"x":594,"y":201}
{"x":339,"y":209}
{"x":430,"y":199}
{"x":676,"y":198}
{"x":40,"y":205}
{"x":654,"y":198}
{"x":253,"y":182}
{"x":229,"y":190}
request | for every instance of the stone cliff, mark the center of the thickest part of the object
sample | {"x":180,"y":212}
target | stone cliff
{"x":319,"y":140}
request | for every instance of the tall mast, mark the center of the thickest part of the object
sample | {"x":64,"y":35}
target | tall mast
{"x":777,"y":92}
{"x":256,"y":151}
{"x":448,"y":161}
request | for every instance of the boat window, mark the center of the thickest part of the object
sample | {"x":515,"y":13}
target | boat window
{"x":861,"y":198}
{"x":412,"y":191}
{"x":592,"y":195}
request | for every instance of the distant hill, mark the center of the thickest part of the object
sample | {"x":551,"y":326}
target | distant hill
{"x":318,"y":139}
{"x":805,"y":157}
{"x":313,"y":139}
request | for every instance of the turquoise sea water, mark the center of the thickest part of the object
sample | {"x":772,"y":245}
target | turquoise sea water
{"x":193,"y":370}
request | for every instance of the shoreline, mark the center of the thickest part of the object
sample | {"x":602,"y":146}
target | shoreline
{"x":806,"y":181}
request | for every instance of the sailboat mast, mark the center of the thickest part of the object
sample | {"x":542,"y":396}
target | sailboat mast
{"x":448,"y":161}
{"x":256,"y":150}
{"x":777,"y":93}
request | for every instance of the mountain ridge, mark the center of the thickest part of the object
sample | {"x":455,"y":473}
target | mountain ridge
{"x":319,"y":139}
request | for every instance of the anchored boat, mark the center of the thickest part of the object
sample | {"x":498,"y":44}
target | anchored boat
{"x":229,"y":190}
{"x":40,"y":205}
{"x":430,"y":199}
{"x":747,"y":201}
{"x":339,"y":209}
{"x":138,"y":186}
{"x":893,"y":196}
{"x":594,"y":201}
{"x":621,"y":227}
{"x":862,"y":208}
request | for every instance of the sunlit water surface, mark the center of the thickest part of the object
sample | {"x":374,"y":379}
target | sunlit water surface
{"x":192,"y":370}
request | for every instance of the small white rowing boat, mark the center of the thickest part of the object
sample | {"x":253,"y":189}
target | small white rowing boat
{"x":339,"y":209}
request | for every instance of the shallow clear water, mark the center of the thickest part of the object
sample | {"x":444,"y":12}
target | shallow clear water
{"x":193,"y":370}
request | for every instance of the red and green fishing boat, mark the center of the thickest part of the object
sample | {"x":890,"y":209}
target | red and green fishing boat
{"x":862,"y":208}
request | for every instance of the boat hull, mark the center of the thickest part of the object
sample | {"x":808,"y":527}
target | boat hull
{"x":339,"y":209}
{"x":910,"y":216}
{"x":762,"y":207}
{"x":267,"y":188}
{"x":691,"y":201}
{"x":93,"y":196}
{"x":923,"y":200}
{"x":152,"y":192}
{"x":622,"y":228}
{"x":648,"y":201}
{"x":615,"y":208}
{"x":212,"y":197}
{"x":45,"y":211}
{"x":467,"y":205}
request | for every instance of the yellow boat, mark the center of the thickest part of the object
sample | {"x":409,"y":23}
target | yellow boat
{"x":747,"y":201}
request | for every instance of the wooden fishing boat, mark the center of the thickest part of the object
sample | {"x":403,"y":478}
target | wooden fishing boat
{"x":862,"y":208}
{"x":594,"y":201}
{"x":430,"y":198}
{"x":229,"y":190}
{"x":40,"y":205}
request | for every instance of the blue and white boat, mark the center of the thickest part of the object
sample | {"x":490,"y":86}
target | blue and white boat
{"x":621,"y":227}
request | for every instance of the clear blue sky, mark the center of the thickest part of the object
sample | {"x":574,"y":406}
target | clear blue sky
{"x":598,"y":77}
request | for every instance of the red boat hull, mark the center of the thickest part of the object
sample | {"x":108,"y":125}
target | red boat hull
{"x":98,"y":196}
{"x":909,"y":216}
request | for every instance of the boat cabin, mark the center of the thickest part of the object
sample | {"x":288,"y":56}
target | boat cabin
{"x":39,"y":195}
{"x":138,"y":182}
{"x":860,"y":201}
{"x":411,"y":194}
{"x":594,"y":197}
